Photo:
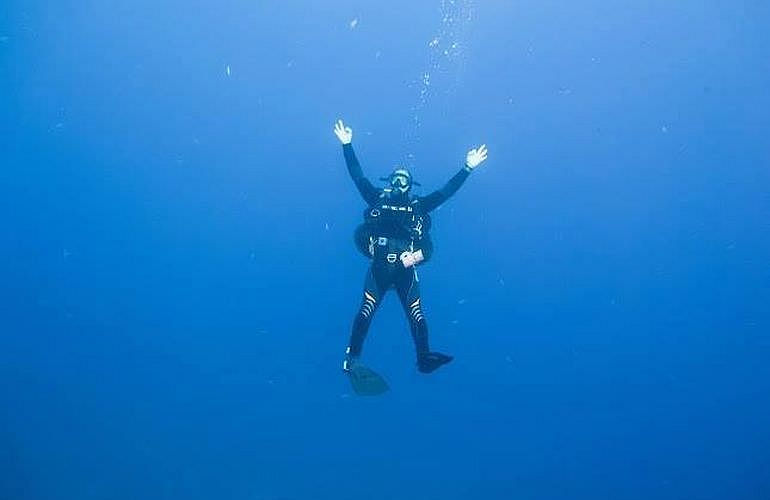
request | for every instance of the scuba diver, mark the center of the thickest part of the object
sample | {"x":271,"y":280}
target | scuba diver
{"x":395,"y":236}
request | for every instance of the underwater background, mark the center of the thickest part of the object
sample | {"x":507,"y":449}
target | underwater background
{"x":179,"y":276}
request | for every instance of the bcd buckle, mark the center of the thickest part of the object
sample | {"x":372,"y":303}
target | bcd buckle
{"x":392,"y":258}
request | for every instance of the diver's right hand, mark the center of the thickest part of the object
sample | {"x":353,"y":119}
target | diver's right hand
{"x":344,"y":134}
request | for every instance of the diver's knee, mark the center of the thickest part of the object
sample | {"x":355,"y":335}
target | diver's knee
{"x":415,"y":312}
{"x":368,"y":306}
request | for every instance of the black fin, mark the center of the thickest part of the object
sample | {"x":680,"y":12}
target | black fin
{"x":431,"y":361}
{"x":366,"y":382}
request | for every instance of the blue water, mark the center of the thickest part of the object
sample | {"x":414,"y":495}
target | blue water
{"x":179,"y":279}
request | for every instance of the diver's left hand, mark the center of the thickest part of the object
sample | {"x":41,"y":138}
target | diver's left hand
{"x":476,"y":156}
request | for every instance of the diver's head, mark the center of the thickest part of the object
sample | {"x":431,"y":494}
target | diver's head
{"x":400,"y":180}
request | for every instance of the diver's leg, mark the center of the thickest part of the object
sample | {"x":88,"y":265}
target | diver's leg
{"x":371,"y":300}
{"x":408,"y":288}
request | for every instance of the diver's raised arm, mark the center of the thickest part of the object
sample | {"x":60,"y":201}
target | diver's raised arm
{"x":365,"y":187}
{"x":473,"y":159}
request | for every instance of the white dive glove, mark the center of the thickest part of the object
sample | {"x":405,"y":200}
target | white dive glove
{"x":343,"y":133}
{"x":475,"y":156}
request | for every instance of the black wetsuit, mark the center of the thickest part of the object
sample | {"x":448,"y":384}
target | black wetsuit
{"x":391,"y":240}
